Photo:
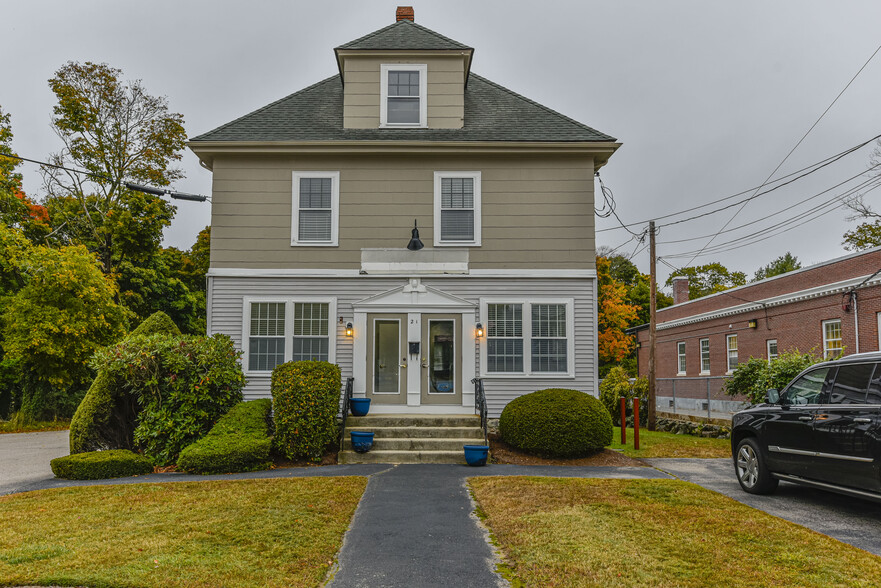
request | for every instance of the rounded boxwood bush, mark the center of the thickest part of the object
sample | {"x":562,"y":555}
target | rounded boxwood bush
{"x":306,"y":400}
{"x":239,"y":442}
{"x":556,"y":422}
{"x":100,"y":465}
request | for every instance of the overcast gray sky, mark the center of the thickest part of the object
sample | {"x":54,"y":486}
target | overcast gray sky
{"x":706,"y":97}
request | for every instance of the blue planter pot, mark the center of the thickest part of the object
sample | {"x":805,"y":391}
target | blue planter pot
{"x":361,"y":441}
{"x":359,"y":406}
{"x":475,"y":455}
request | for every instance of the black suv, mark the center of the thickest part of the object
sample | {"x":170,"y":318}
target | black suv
{"x":823,"y":430}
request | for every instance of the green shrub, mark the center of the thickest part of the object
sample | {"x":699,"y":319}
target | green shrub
{"x":100,"y":465}
{"x":306,"y":396}
{"x":239,"y":442}
{"x":556,"y":422}
{"x":183,"y":385}
{"x":755,"y":377}
{"x":107,"y":416}
{"x":617,"y":385}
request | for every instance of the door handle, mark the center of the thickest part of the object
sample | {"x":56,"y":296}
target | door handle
{"x":403,"y":365}
{"x":862,"y":420}
{"x":382,"y":366}
{"x":424,"y":364}
{"x":805,"y":418}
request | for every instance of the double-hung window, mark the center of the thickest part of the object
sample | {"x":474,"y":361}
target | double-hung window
{"x":680,"y":351}
{"x":456,"y":208}
{"x":732,"y":352}
{"x":705,"y":356}
{"x":528,"y":337}
{"x":832,"y":343}
{"x":772,"y":350}
{"x":316,"y":209}
{"x":284,"y":330}
{"x":403,"y":95}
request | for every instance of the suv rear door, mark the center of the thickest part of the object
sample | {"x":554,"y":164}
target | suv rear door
{"x":847,"y":430}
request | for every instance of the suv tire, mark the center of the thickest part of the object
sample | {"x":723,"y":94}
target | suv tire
{"x":749,"y":465}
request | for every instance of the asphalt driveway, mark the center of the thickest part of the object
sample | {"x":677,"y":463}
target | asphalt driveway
{"x":24,"y":457}
{"x":850,"y":520}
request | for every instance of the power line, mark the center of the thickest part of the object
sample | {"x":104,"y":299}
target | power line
{"x":791,"y":151}
{"x":809,"y":169}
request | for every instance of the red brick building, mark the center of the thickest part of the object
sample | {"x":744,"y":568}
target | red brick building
{"x":832,"y":307}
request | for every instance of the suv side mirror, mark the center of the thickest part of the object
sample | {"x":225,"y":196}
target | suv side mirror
{"x":772,"y":396}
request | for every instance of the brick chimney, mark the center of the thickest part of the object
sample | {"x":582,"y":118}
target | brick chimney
{"x":680,"y":290}
{"x":405,"y":13}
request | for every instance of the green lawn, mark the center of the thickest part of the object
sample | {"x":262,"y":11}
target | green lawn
{"x":658,"y":444}
{"x":14,"y":426}
{"x":280,"y":532}
{"x":588,"y":532}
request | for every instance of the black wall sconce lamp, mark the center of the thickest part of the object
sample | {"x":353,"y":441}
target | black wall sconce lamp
{"x":478,"y":330}
{"x":415,"y":243}
{"x":349,"y":330}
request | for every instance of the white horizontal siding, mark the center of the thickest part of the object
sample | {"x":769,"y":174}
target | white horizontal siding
{"x":225,"y":310}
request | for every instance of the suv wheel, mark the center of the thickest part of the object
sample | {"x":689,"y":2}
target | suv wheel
{"x":752,"y":473}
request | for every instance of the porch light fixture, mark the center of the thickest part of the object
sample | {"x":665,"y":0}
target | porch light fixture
{"x":478,"y":331}
{"x":415,"y":243}
{"x":753,"y":323}
{"x":349,"y":330}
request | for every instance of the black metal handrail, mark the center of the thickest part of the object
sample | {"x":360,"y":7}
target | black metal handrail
{"x":480,"y":406}
{"x":350,"y":386}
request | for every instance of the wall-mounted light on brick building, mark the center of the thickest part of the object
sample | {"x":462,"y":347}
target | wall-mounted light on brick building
{"x":753,"y":323}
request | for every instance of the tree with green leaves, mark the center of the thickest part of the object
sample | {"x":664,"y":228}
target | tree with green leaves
{"x":785,"y":263}
{"x":867,"y":234}
{"x":707,"y":279}
{"x":118,"y":133}
{"x":16,"y":209}
{"x":64,"y":312}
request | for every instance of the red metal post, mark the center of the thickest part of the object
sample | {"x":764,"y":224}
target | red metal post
{"x":636,"y":423}
{"x":623,"y":421}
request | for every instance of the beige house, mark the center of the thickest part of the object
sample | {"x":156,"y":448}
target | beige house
{"x":314,"y":202}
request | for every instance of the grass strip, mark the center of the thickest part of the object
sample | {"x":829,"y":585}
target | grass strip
{"x":16,"y":426}
{"x":588,"y":532}
{"x":662,"y":444}
{"x":277,"y":532}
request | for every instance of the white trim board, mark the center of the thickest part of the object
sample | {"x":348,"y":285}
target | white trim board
{"x":235,"y":272}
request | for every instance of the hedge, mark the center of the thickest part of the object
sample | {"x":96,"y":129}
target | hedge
{"x":100,"y":465}
{"x":306,"y":397}
{"x":106,"y":417}
{"x":556,"y":422}
{"x":239,"y":442}
{"x":616,"y":385}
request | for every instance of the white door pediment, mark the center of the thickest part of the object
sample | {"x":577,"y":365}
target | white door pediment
{"x":411,"y":295}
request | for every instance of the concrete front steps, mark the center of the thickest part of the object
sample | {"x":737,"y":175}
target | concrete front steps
{"x":403,"y":438}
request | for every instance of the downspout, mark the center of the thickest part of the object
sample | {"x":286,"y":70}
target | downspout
{"x":856,"y":322}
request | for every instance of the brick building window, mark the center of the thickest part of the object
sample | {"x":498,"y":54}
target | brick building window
{"x":705,"y":356}
{"x":732,"y":352}
{"x":772,"y":349}
{"x":680,"y":349}
{"x":832,"y":346}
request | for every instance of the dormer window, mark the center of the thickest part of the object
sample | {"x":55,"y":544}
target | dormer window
{"x":404,"y":90}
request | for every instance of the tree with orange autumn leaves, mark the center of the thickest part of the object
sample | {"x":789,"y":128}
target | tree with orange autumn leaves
{"x":615,"y":314}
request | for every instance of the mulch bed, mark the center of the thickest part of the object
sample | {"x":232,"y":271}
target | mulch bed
{"x":503,"y":453}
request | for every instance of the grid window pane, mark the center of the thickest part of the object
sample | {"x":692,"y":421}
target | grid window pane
{"x":732,"y":352}
{"x":705,"y":356}
{"x":504,"y":320}
{"x":772,"y":349}
{"x":403,"y":83}
{"x":680,"y":348}
{"x":310,"y":349}
{"x":267,"y":319}
{"x":548,"y":320}
{"x":457,"y":192}
{"x":265,"y":353}
{"x":315,"y":192}
{"x":832,"y":345}
{"x":504,"y":355}
{"x":311,"y":319}
{"x":549,"y":355}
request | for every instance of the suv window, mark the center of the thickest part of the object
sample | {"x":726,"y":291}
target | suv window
{"x":874,"y":395}
{"x":806,"y":389}
{"x":851,"y":383}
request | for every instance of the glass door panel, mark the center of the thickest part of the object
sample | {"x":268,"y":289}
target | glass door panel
{"x":441,"y":357}
{"x":386,"y":375}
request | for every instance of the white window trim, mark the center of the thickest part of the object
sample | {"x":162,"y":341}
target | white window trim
{"x":334,"y":213}
{"x":680,"y":358}
{"x":701,"y":350}
{"x":440,"y":175}
{"x":527,"y":372}
{"x":422,"y":68}
{"x":825,"y":340}
{"x":768,"y":349}
{"x":728,"y":350}
{"x":333,"y":328}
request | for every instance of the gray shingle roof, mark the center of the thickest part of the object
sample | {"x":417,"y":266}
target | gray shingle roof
{"x":406,"y":35}
{"x":492,"y":113}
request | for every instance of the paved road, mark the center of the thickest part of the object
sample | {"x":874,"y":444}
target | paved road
{"x":850,"y":520}
{"x":24,"y":457}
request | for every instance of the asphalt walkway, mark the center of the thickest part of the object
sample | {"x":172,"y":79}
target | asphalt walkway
{"x":25,"y":457}
{"x":850,"y":520}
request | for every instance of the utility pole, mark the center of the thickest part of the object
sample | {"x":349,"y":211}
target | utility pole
{"x":653,"y":303}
